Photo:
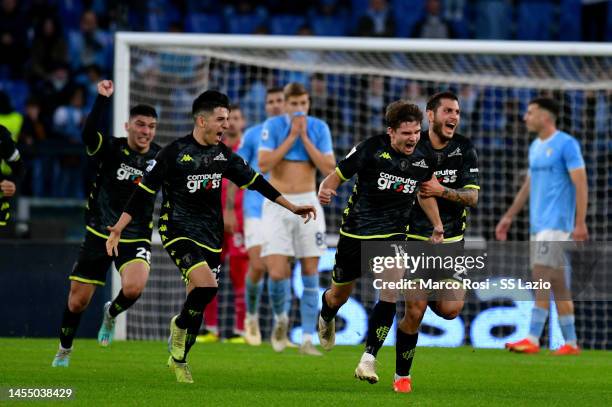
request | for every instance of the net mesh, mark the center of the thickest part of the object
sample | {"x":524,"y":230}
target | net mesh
{"x":350,"y":90}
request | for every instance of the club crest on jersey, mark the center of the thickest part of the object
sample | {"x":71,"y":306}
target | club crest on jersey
{"x":150,"y":165}
{"x":220,"y":157}
{"x":395,"y":183}
{"x":420,"y":164}
{"x":125,"y":172}
{"x":203,"y":181}
{"x":457,"y":152}
{"x":403,"y":164}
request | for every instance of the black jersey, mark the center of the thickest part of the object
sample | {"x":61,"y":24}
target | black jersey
{"x":11,"y":168}
{"x":119,"y":170}
{"x":190,"y":176}
{"x":385,"y":189}
{"x":457,"y":167}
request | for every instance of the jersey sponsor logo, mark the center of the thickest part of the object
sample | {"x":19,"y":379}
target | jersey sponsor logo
{"x":457,"y":152}
{"x":385,"y":155}
{"x":396,"y":184}
{"x":420,"y":164}
{"x":265,"y":134}
{"x":473,"y":169}
{"x":220,"y":157}
{"x":125,"y":172}
{"x":186,"y":158}
{"x":446,"y":176}
{"x":150,"y":165}
{"x":203,"y":181}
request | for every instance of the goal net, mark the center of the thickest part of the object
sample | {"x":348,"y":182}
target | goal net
{"x":350,"y":83}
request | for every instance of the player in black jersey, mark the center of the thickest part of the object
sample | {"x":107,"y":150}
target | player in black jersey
{"x":11,"y":169}
{"x":390,"y":168}
{"x":190,"y":171}
{"x":455,"y":187}
{"x":121,"y":164}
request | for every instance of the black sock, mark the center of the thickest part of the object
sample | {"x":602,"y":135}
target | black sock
{"x":327,"y":313}
{"x":120,"y":304}
{"x":194,"y":306}
{"x":70,"y":323}
{"x":379,"y":324}
{"x":405,"y":346}
{"x":192,"y":333}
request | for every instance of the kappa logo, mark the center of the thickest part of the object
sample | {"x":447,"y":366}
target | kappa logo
{"x":185,"y":158}
{"x":457,"y":152}
{"x":421,"y":164}
{"x":220,"y":157}
{"x":385,"y":155}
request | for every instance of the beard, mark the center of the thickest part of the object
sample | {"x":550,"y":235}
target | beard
{"x":437,"y":128}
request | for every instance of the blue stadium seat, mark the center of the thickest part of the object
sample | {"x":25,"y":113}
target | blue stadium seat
{"x":18,"y":92}
{"x":332,"y":26}
{"x":534,"y":20}
{"x":201,"y":6}
{"x":238,"y":23}
{"x":204,"y":23}
{"x":70,"y":13}
{"x":569,"y":20}
{"x":286,"y":24}
{"x":157,"y":22}
{"x":493,"y":19}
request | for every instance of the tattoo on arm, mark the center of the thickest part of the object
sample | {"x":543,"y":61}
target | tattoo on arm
{"x":464,"y":196}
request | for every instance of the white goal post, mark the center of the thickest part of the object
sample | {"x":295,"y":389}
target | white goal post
{"x":493,"y":79}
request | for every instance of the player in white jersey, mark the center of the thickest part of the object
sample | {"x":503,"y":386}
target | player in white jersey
{"x":556,"y":186}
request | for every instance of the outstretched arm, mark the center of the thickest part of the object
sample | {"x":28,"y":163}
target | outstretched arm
{"x":91,"y":135}
{"x":465,"y":196}
{"x":430,"y":207}
{"x":328,"y":188}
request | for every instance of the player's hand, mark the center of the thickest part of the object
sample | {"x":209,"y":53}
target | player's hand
{"x":501,"y":230}
{"x":431,"y":188}
{"x":580,"y":233}
{"x":8,"y":188}
{"x":230,"y":223}
{"x":113,"y":241}
{"x":437,"y":236}
{"x":305,"y":211}
{"x":105,"y":88}
{"x":325,"y":195}
{"x":298,"y":125}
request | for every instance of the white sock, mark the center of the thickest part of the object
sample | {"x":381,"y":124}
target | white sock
{"x":573,"y":344}
{"x":397,"y":377}
{"x":533,"y":339}
{"x":281,"y":317}
{"x":306,"y":338}
{"x":252,"y":316}
{"x":366,"y":357}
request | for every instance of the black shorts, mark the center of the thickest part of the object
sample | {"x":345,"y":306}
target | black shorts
{"x":437,"y":271}
{"x":349,"y":265}
{"x":187,"y":255}
{"x":93,"y":262}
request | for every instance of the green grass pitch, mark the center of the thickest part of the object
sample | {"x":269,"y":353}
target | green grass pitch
{"x":134,"y":373}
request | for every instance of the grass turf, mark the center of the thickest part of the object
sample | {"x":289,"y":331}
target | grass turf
{"x":134,"y":373}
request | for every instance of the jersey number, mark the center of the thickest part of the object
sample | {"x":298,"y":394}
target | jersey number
{"x":143,"y":253}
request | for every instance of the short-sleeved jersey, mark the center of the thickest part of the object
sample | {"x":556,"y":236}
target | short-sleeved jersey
{"x":120,"y":169}
{"x":276,"y":130}
{"x":190,"y":176}
{"x":457,"y":167}
{"x":249,"y":146}
{"x":552,"y":195}
{"x":385,"y":189}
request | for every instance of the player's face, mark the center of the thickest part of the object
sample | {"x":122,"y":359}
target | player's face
{"x":297,"y":104}
{"x":445,"y":119}
{"x":235,"y":122}
{"x":405,"y":137}
{"x":141,"y":131}
{"x":534,"y":118}
{"x":275,"y":102}
{"x":214,"y":124}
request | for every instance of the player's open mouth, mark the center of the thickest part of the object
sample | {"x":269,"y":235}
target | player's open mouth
{"x":450,"y":126}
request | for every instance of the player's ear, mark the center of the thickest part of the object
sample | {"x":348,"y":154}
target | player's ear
{"x":389,"y":131}
{"x":126,"y":125}
{"x":430,"y":115}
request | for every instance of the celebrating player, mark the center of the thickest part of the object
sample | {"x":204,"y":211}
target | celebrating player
{"x":558,"y":198}
{"x":390,"y":168}
{"x":292,"y":148}
{"x":455,"y":185}
{"x":11,"y":169}
{"x":190,"y":171}
{"x":121,"y":164}
{"x":252,"y":205}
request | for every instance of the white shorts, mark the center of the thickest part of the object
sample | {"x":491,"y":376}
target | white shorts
{"x":547,"y":249}
{"x":287,"y":234}
{"x":253,"y":235}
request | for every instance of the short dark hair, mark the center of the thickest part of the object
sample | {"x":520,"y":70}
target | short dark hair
{"x":547,"y":104}
{"x":402,"y":111}
{"x":143,"y":110}
{"x":274,"y":89}
{"x":434,"y":102}
{"x":234,"y":106}
{"x":294,"y":89}
{"x":209,"y":101}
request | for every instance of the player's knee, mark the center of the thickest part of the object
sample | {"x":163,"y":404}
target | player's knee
{"x":77,"y":302}
{"x":133,"y":290}
{"x":447,"y":311}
